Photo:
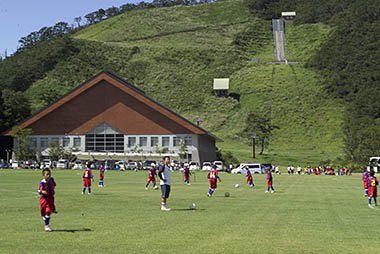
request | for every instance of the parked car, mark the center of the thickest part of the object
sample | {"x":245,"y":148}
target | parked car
{"x":32,"y":164}
{"x":121,"y":165}
{"x":206,"y":165}
{"x":193,"y":165}
{"x":255,"y":168}
{"x":219,"y":165}
{"x":268,"y":166}
{"x":46,"y":163}
{"x":78,"y":164}
{"x":133,"y":165}
{"x":3,"y":164}
{"x":62,"y":163}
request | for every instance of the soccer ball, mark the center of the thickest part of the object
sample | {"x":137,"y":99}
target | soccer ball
{"x":237,"y":185}
{"x":192,"y":206}
{"x":226,"y":194}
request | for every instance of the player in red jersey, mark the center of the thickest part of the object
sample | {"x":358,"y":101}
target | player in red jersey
{"x":101,"y":175}
{"x":87,"y":178}
{"x":249,"y":178}
{"x":270,"y":181}
{"x":186,"y":174}
{"x":151,"y":177}
{"x":213,"y":178}
{"x":365,"y":177}
{"x":46,"y":191}
{"x":372,"y":184}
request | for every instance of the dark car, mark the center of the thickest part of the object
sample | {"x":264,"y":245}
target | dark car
{"x":3,"y":164}
{"x":268,"y":166}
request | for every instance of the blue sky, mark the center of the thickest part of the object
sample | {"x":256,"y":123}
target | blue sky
{"x":18,"y":18}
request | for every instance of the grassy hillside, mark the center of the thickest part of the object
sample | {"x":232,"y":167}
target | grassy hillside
{"x":173,"y":54}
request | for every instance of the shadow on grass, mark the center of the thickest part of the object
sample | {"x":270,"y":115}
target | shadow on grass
{"x":187,"y":210}
{"x":72,"y":230}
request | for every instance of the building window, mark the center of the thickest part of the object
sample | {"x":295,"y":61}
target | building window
{"x":55,"y":140}
{"x":188,"y":141}
{"x":77,"y":142}
{"x":104,"y":138}
{"x":143,"y":142}
{"x":153,"y":141}
{"x":44,"y":143}
{"x":131,"y":141}
{"x":33,"y":143}
{"x":165,"y":141}
{"x":177,"y":141}
{"x":65,"y":142}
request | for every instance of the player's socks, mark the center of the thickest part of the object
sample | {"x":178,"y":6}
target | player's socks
{"x":369,"y":201}
{"x":84,"y":190}
{"x":46,"y":220}
{"x":374,"y":199}
{"x":89,"y":190}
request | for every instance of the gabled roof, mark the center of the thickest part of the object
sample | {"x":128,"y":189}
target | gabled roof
{"x":124,"y":86}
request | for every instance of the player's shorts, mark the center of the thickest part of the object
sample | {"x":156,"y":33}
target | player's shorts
{"x":186,"y":178}
{"x":46,"y":207}
{"x":365,"y":185}
{"x":372,"y":192}
{"x":213,"y":184}
{"x":101,"y":176}
{"x":165,"y":191}
{"x":151,"y":179}
{"x":86,"y":182}
{"x":249,"y":180}
{"x":270,"y":183}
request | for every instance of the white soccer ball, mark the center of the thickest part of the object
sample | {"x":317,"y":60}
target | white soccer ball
{"x":237,"y":185}
{"x":192,"y":206}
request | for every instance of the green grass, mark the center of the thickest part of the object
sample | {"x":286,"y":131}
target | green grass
{"x":307,"y":214}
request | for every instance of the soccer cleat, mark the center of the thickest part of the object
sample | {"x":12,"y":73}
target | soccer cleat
{"x":146,"y":188}
{"x":272,"y":191}
{"x":47,"y":228}
{"x":89,"y":193}
{"x":82,"y":192}
{"x":155,"y":187}
{"x":164,"y":208}
{"x":266,"y":191}
{"x":370,"y":206}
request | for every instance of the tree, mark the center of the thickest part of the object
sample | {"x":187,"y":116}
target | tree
{"x":112,"y":11}
{"x":91,"y":18}
{"x":22,"y":137}
{"x":78,"y":20}
{"x":261,"y":126}
{"x":182,"y":149}
{"x":14,"y":108}
{"x":56,"y":151}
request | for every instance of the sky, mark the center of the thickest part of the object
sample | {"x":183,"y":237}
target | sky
{"x":18,"y":18}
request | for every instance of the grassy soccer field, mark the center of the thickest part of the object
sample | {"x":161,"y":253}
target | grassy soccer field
{"x":307,"y":214}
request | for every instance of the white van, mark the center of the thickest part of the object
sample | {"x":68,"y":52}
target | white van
{"x":255,"y":168}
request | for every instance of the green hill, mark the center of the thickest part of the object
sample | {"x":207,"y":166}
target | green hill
{"x":174,"y":53}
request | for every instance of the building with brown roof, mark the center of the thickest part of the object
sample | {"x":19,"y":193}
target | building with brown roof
{"x":107,"y":115}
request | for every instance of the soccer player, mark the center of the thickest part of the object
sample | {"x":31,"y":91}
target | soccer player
{"x":270,"y":181}
{"x":87,"y":178}
{"x":213,"y":178}
{"x":151,"y":177}
{"x":249,"y":178}
{"x":46,"y":191}
{"x":165,"y":181}
{"x":101,"y":175}
{"x":186,"y":174}
{"x":372,"y":188}
{"x":365,"y":177}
